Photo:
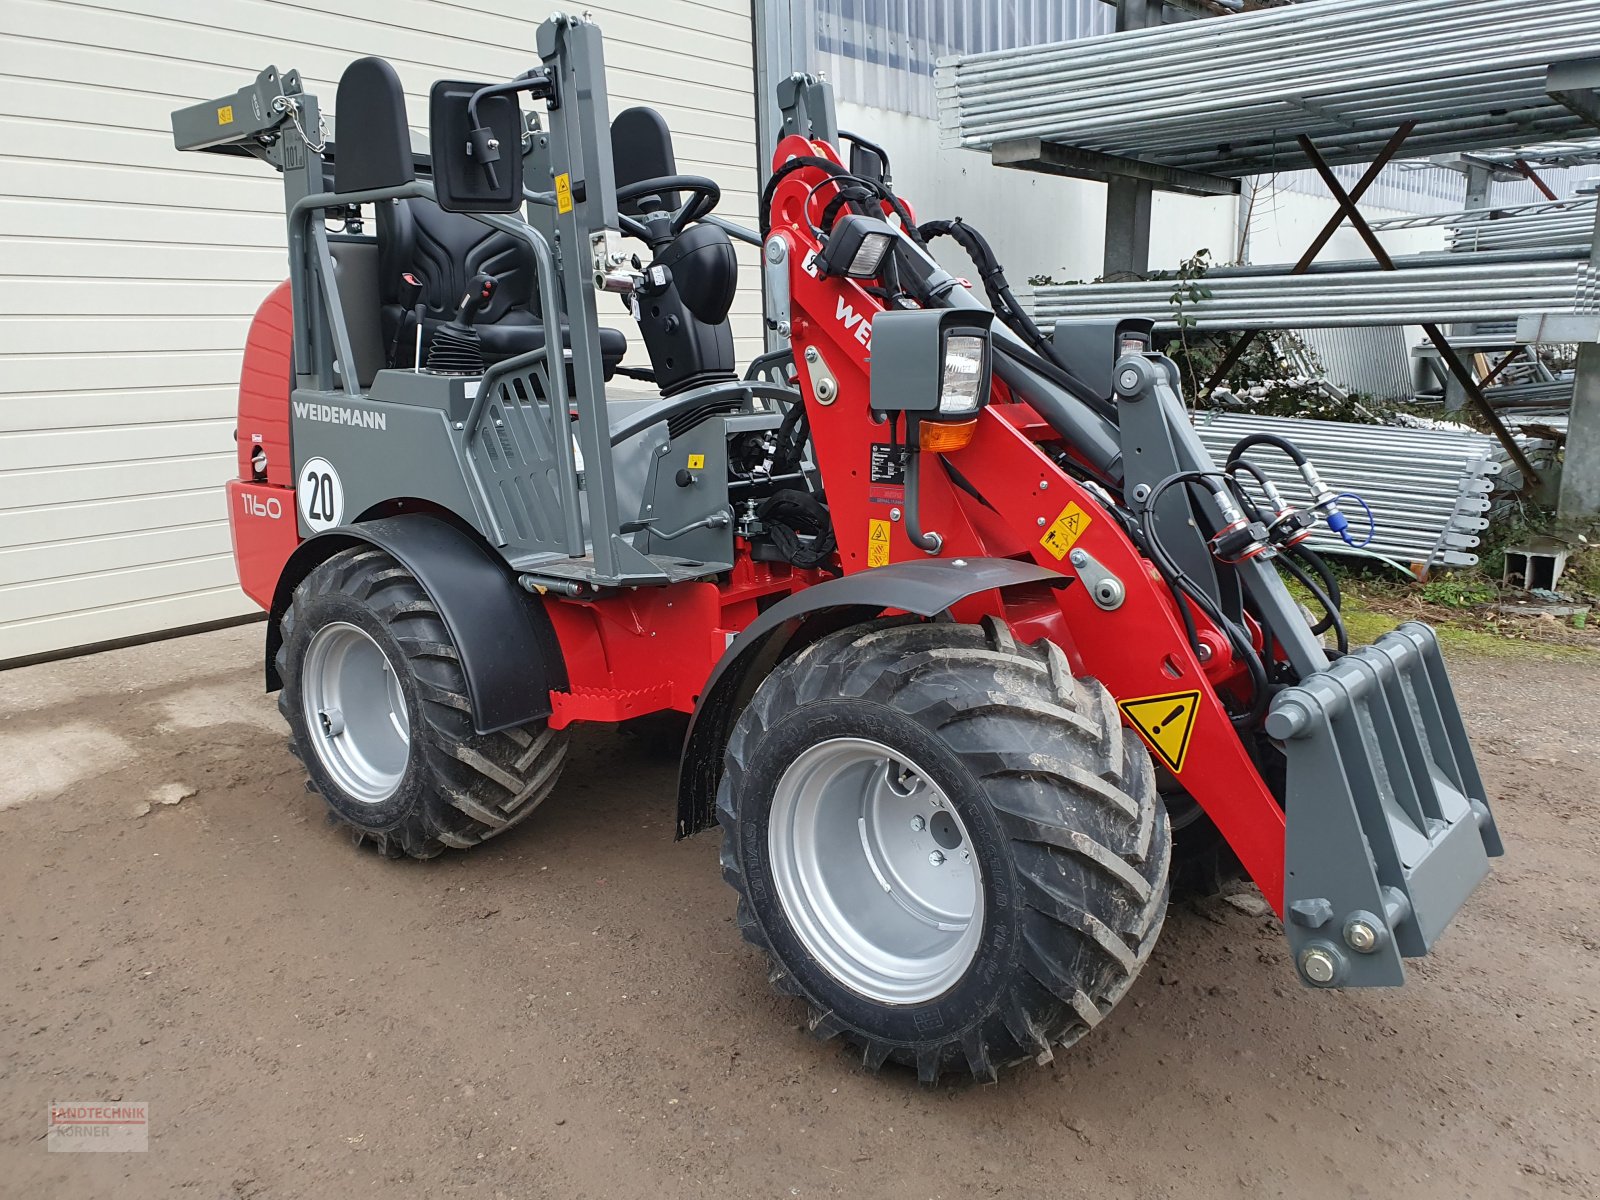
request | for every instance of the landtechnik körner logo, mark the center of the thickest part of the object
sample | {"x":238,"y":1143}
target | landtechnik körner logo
{"x":98,"y":1126}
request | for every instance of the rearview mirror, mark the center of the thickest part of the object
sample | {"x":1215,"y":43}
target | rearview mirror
{"x":866,"y":163}
{"x":477,"y":156}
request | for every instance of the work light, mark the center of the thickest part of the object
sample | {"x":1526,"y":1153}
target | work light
{"x":931,"y":362}
{"x":856,"y":247}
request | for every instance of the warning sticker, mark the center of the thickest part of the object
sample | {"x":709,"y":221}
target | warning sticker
{"x":1065,"y":530}
{"x":697,"y":462}
{"x":563,"y":193}
{"x":877,"y":543}
{"x":225,"y":115}
{"x":1166,"y":723}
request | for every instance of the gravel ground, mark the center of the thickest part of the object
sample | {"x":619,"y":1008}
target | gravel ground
{"x":568,"y":1011}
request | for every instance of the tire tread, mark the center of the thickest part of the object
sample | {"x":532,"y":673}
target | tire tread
{"x":481,"y":784}
{"x":1076,"y":798}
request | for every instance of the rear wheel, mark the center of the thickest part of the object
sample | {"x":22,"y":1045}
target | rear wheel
{"x":946,"y":844}
{"x":377,"y":705}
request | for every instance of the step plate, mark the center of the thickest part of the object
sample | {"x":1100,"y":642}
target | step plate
{"x":1389,"y":826}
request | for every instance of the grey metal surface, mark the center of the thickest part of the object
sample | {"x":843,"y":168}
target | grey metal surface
{"x":1389,"y":827}
{"x":1375,"y":361}
{"x":578,"y":146}
{"x":381,"y":452}
{"x":1158,"y":442}
{"x":874,"y":870}
{"x":1428,"y":489}
{"x":1227,"y":95}
{"x":696,"y":513}
{"x":517,"y":446}
{"x":1567,"y":227}
{"x":1463,"y":292}
{"x":355,"y":712}
{"x":356,"y":264}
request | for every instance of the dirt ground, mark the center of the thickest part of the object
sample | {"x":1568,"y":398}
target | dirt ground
{"x":568,"y":1011}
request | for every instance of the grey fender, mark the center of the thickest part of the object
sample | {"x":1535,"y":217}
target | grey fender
{"x":925,"y":588}
{"x":507,"y":644}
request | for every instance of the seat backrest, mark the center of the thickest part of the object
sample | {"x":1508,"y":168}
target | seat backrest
{"x":641,"y":148}
{"x":445,"y":250}
{"x":371,"y":107}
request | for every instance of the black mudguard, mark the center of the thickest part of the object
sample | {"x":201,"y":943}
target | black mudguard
{"x":508,"y":647}
{"x":924,"y":588}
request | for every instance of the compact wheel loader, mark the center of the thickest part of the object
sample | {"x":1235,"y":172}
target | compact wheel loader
{"x":976,"y":640}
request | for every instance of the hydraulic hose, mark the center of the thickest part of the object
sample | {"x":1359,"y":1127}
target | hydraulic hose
{"x":1269,"y":439}
{"x":825,"y":165}
{"x":1341,"y":638}
{"x":1323,"y":498}
{"x":1176,"y":577}
{"x":995,"y":285}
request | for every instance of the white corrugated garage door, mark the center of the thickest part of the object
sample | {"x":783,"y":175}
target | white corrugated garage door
{"x":130,"y":270}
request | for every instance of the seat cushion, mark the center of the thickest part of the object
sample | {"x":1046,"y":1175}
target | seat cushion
{"x":506,"y":341}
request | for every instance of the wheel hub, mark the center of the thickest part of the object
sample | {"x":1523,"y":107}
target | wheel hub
{"x":874,"y":870}
{"x":355,"y":712}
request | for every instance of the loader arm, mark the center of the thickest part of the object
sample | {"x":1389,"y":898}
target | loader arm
{"x":1345,"y":788}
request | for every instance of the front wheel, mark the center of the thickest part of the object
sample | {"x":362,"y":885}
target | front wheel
{"x":947,"y":845}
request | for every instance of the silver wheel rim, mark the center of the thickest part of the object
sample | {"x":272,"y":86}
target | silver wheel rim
{"x":875,"y":871}
{"x":355,"y":712}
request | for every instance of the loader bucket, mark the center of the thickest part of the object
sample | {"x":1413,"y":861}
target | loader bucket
{"x":1389,"y":828}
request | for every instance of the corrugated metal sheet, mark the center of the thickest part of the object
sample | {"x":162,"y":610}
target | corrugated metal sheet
{"x":881,"y":52}
{"x":1374,"y":361}
{"x":132,"y":270}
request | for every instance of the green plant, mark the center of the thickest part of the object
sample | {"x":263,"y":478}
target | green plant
{"x":1450,"y":592}
{"x":1187,"y":288}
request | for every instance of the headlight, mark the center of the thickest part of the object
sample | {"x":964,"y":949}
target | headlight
{"x":963,"y":376}
{"x":931,"y":363}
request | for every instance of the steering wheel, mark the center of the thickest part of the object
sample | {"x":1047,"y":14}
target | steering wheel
{"x":703,"y":196}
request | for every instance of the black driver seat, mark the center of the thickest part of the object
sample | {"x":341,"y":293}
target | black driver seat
{"x":443,"y":251}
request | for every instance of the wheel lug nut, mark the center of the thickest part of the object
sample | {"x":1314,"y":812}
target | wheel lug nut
{"x":918,"y":824}
{"x":936,"y":858}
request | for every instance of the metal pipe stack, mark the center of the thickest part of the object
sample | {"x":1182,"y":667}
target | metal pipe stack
{"x":1569,"y":230}
{"x":1428,"y":488}
{"x":1466,"y":292}
{"x":1227,"y":95}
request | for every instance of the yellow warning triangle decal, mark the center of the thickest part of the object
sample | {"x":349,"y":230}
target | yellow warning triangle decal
{"x":1166,"y":723}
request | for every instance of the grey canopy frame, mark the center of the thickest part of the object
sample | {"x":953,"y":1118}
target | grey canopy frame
{"x":276,"y":120}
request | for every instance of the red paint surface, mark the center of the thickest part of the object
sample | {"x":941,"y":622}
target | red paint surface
{"x":261,"y":514}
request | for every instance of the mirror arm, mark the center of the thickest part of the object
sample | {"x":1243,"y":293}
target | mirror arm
{"x":481,"y":145}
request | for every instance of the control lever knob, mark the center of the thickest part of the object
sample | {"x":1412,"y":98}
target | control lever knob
{"x":480,"y":291}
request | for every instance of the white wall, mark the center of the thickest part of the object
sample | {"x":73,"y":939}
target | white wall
{"x":1283,"y":222}
{"x":130,"y":271}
